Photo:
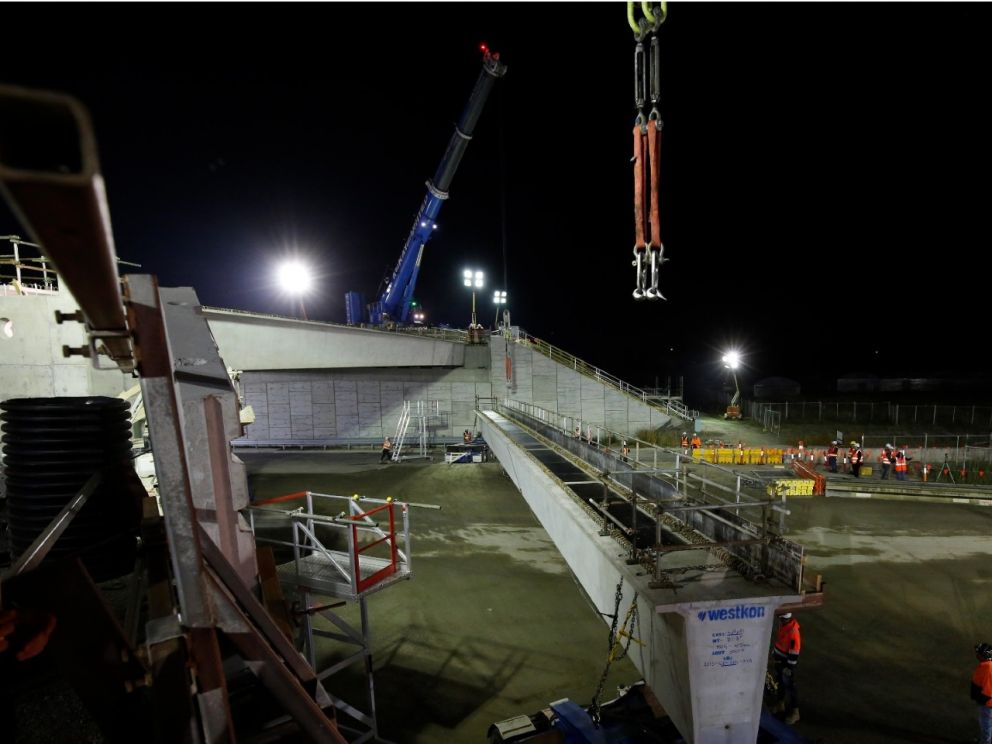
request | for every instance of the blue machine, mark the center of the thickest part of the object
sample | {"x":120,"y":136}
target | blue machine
{"x":394,"y":303}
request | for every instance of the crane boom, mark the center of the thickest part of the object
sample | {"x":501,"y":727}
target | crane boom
{"x":394,"y":302}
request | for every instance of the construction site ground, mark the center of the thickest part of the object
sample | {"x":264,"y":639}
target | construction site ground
{"x":493,"y":625}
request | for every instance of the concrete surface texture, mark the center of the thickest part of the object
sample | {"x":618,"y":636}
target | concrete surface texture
{"x":546,"y":383}
{"x":350,"y":404}
{"x":292,"y":402}
{"x":493,"y":625}
{"x":31,"y":361}
{"x":255,"y":341}
{"x":890,"y":655}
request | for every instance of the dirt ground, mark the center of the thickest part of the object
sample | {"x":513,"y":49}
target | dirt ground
{"x":889,"y":657}
{"x":494,"y":625}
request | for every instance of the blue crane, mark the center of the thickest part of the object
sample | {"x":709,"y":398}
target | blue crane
{"x":395,"y":301}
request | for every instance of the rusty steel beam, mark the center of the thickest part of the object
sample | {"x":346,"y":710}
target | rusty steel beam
{"x":50,"y":176}
{"x":272,"y":671}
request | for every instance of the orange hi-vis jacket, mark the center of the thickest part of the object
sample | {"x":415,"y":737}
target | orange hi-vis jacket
{"x":788,"y":642}
{"x":901,"y":463}
{"x":981,"y":684}
{"x":685,"y":442}
{"x":697,"y":442}
{"x":886,"y":456}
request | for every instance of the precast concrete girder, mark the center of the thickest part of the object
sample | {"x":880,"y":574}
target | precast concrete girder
{"x":703,"y":647}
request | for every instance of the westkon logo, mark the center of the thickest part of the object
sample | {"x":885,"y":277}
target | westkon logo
{"x":740,"y":612}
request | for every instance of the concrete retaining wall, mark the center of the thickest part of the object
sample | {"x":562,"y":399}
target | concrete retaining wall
{"x":330,"y":405}
{"x":539,"y":380}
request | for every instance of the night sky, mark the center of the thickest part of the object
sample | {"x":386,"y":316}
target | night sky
{"x":825,"y":175}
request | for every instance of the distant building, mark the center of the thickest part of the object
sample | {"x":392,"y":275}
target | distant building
{"x":909,"y":384}
{"x":776,"y":388}
{"x":858,"y":382}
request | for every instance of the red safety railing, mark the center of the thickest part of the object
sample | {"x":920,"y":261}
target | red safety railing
{"x":804,"y":470}
{"x":287,"y":497}
{"x":390,"y":537}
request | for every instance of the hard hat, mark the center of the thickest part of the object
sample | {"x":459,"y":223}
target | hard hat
{"x":786,"y":616}
{"x":835,"y":442}
{"x":854,"y":444}
{"x":984,"y":651}
{"x":888,"y":446}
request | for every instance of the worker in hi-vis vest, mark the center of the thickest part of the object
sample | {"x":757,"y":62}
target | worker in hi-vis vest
{"x":785,"y":656}
{"x":857,"y":456}
{"x":832,"y":452}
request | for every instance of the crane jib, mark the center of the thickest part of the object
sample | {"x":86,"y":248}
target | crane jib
{"x":394,"y":304}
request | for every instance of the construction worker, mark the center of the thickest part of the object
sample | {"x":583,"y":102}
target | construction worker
{"x":887,"y":458}
{"x":740,"y":452}
{"x":697,"y":443}
{"x":901,"y":465}
{"x":802,"y":451}
{"x":785,"y":656}
{"x":624,"y":451}
{"x":832,"y":452}
{"x":467,"y":437}
{"x":685,"y":443}
{"x":981,"y":691}
{"x":856,"y":457}
{"x":578,"y":432}
{"x":387,"y":447}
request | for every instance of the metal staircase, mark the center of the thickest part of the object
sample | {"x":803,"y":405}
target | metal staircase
{"x":401,"y":426}
{"x":421,"y":414}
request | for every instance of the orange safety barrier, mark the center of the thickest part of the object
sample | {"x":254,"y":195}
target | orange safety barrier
{"x":819,"y":481}
{"x":382,"y":573}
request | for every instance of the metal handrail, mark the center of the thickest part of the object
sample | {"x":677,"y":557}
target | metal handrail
{"x":29,"y":272}
{"x":566,"y":359}
{"x":353,"y":520}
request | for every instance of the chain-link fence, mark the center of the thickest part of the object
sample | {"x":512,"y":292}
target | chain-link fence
{"x":958,"y":448}
{"x":771,"y":420}
{"x":909,"y":415}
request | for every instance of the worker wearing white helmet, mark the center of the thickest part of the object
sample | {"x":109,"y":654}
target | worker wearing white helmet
{"x":832,"y":452}
{"x":887,"y":457}
{"x":857,"y":457}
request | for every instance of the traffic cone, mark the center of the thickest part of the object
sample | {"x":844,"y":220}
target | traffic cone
{"x":926,"y":469}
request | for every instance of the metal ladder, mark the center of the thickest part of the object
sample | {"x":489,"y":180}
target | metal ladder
{"x":401,"y":426}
